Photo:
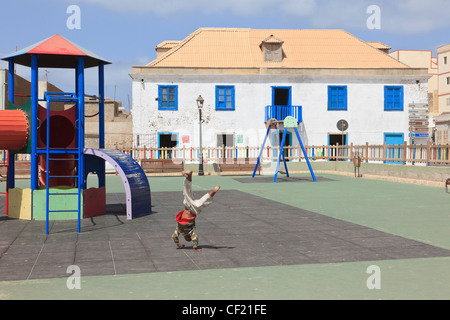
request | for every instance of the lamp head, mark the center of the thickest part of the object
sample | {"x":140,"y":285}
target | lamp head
{"x":200,"y":102}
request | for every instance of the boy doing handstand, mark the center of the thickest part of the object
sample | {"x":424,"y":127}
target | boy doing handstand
{"x":192,"y":207}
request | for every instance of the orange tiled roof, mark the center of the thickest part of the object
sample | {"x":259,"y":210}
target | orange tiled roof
{"x":240,"y":48}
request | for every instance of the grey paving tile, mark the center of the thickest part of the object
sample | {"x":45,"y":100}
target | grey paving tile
{"x":96,"y":268}
{"x":92,"y":256}
{"x":50,"y":270}
{"x":134,"y":266}
{"x":11,"y":272}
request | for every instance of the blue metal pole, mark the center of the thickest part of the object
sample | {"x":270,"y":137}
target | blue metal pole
{"x":306,"y":156}
{"x":47,"y":172}
{"x":279,"y":156}
{"x":76,"y":83}
{"x":11,"y":65}
{"x":284,"y":159}
{"x":101,"y":120}
{"x":34,"y":117}
{"x":80,"y":81}
{"x":261,"y":151}
{"x":11,"y":158}
{"x":81,"y":112}
{"x":101,"y":104}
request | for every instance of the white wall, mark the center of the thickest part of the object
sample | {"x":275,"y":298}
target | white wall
{"x":365,"y":114}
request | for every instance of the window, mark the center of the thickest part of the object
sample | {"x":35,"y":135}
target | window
{"x":445,"y":60}
{"x":393,"y":98}
{"x":448,"y":101}
{"x":337,"y":98}
{"x":225,"y":98}
{"x":224,"y":139}
{"x":167,"y":97}
{"x":448,"y":80}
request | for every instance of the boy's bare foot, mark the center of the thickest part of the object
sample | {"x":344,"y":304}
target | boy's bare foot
{"x":180,"y":245}
{"x":187,"y":174}
{"x":214,"y":190}
{"x":197,"y":249}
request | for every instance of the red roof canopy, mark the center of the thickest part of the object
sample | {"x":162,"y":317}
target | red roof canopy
{"x":56,"y":52}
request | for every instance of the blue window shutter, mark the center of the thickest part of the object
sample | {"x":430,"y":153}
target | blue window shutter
{"x":167,"y":97}
{"x":337,"y":98}
{"x":330,"y":104}
{"x":386,"y":105}
{"x":225,"y":98}
{"x":159,"y":97}
{"x":393,"y":98}
{"x":233,"y":96}
{"x":344,"y":97}
{"x":345,"y":104}
{"x":176,"y":97}
{"x":401,"y":98}
{"x":217,"y":97}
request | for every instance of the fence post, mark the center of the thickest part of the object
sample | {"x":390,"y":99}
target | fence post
{"x":428,"y":153}
{"x":367,"y":152}
{"x":405,"y":151}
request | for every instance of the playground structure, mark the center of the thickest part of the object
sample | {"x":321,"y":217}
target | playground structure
{"x":55,"y":140}
{"x":281,"y":120}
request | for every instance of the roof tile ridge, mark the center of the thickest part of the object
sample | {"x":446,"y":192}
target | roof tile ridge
{"x":176,"y":48}
{"x":379,"y":51}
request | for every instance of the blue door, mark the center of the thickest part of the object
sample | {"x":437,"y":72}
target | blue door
{"x":394,"y":146}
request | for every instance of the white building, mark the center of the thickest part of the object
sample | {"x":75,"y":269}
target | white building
{"x":331,"y":74}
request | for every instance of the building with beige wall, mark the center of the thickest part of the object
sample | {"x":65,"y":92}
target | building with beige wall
{"x":442,"y":121}
{"x":444,"y":78}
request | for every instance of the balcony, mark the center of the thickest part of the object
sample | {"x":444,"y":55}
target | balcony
{"x":281,"y":112}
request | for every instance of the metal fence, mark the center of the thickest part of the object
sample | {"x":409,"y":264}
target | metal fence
{"x":400,"y":154}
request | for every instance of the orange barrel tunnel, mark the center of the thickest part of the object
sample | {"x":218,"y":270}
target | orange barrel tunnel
{"x":13,"y":130}
{"x":62,"y":136}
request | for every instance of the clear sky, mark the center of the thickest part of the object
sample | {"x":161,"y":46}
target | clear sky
{"x":126,"y":32}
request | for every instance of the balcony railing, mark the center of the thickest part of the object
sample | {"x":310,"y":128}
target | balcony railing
{"x":281,"y":112}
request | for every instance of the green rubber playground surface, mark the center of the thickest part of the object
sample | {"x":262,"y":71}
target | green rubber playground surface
{"x":410,"y":223}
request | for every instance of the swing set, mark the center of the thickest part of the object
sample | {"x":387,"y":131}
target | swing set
{"x":283,"y":125}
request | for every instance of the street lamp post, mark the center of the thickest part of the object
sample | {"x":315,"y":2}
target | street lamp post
{"x":200,"y":107}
